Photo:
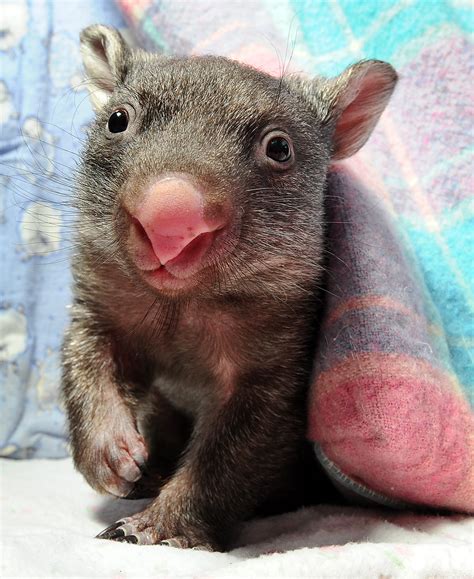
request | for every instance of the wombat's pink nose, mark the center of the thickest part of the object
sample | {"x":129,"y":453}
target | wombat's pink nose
{"x":172,"y":215}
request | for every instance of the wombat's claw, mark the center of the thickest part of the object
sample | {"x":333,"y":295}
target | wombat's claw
{"x":112,"y":531}
{"x":125,"y":531}
{"x":176,"y":542}
{"x":139,"y":530}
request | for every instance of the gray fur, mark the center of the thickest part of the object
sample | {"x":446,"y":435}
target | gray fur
{"x":216,"y":374}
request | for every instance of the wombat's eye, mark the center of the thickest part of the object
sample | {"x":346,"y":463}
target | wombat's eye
{"x":118,"y":121}
{"x":278,"y":149}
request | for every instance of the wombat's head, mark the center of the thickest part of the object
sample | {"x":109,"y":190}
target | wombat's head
{"x":204,"y":175}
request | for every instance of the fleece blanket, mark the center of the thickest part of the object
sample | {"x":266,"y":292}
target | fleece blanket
{"x":50,"y":516}
{"x":43,"y":112}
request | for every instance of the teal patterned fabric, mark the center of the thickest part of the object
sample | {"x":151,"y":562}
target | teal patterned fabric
{"x":390,"y":406}
{"x":426,"y":179}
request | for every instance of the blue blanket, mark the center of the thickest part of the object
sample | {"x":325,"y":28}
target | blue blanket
{"x":44,"y":110}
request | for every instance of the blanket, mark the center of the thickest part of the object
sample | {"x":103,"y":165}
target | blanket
{"x":49,"y":528}
{"x":391,"y":399}
{"x":43,"y":112}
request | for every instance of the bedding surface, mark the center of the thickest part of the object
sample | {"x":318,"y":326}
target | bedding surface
{"x":49,"y":517}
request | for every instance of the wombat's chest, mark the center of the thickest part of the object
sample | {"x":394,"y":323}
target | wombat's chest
{"x":196,"y":354}
{"x":198,"y":362}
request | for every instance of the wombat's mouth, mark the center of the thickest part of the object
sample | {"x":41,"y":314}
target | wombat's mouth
{"x":181,"y":271}
{"x":187,"y":263}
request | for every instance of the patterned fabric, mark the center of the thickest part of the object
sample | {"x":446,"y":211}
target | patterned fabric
{"x":43,"y":112}
{"x":387,"y":411}
{"x":393,"y":382}
{"x":393,"y":373}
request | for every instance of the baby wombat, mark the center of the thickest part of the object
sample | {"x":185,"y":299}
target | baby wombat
{"x":200,"y":241}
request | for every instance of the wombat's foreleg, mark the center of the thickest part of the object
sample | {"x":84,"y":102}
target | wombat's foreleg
{"x":106,"y":446}
{"x":166,"y":431}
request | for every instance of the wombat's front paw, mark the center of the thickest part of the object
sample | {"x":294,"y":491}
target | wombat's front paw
{"x":114,"y":461}
{"x":153,"y":527}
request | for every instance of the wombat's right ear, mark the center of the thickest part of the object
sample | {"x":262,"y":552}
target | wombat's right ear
{"x":104,"y":53}
{"x":350,"y":104}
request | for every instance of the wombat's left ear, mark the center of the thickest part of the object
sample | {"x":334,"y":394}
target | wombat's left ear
{"x":104,"y":55}
{"x":350,"y":104}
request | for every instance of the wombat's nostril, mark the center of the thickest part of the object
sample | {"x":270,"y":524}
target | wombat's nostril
{"x":141,"y":233}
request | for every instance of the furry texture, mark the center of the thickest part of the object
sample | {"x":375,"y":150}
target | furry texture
{"x":50,"y":535}
{"x":231,"y":351}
